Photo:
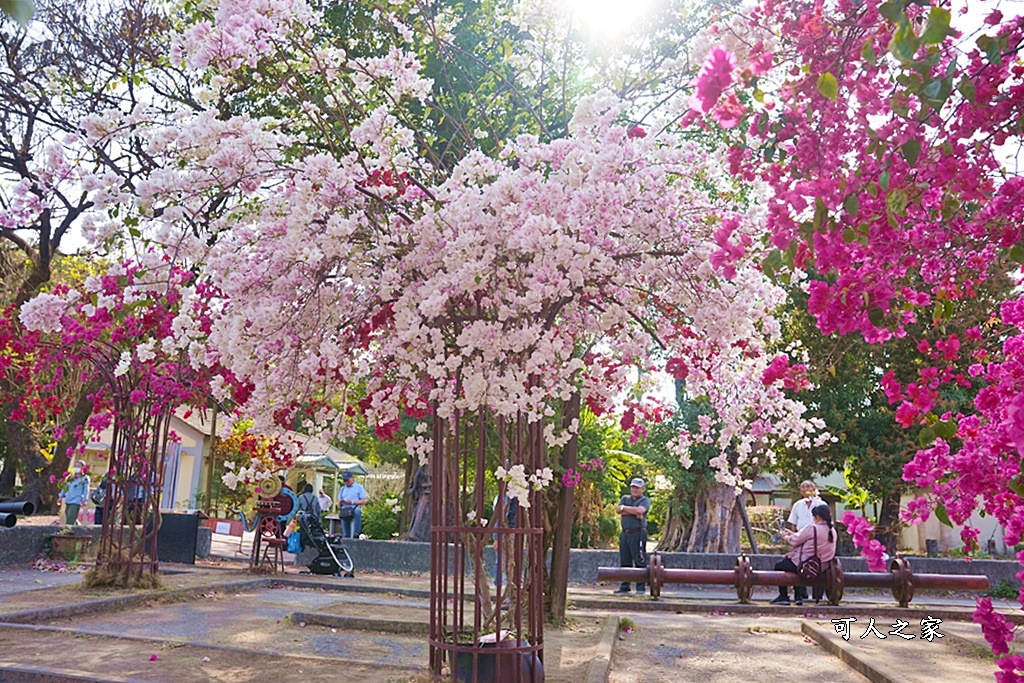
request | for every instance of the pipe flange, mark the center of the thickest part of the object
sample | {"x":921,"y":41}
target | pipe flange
{"x":902,"y":581}
{"x":744,"y":579}
{"x":835,"y":582}
{"x":655,"y":575}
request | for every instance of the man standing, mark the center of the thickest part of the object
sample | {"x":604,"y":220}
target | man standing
{"x":633,"y":539}
{"x":75,"y":494}
{"x":351,"y":500}
{"x":799,"y":517}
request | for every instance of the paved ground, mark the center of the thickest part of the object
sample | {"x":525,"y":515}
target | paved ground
{"x":21,"y":580}
{"x":239,"y":635}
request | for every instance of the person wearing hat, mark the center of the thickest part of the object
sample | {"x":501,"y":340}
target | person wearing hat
{"x":75,"y":492}
{"x":633,"y":539}
{"x":351,"y":499}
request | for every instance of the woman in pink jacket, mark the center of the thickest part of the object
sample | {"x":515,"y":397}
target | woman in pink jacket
{"x":819,"y":535}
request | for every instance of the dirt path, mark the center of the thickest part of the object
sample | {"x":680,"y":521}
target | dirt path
{"x":122,"y":660}
{"x":723,"y":649}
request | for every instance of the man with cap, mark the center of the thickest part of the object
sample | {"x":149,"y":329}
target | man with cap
{"x":351,"y":499}
{"x":633,"y":539}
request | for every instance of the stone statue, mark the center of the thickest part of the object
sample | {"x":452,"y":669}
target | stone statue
{"x":419,"y":526}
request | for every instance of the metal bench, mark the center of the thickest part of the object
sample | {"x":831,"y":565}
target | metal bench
{"x":900,"y":579}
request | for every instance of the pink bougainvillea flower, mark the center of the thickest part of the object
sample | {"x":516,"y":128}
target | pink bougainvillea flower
{"x":998,"y":631}
{"x":994,"y":18}
{"x":730,"y":112}
{"x":1015,"y":422}
{"x":872,"y":550}
{"x":678,"y":368}
{"x":714,"y":77}
{"x":761,"y":63}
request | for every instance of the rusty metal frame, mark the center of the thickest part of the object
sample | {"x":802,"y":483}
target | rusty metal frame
{"x":463,"y":611}
{"x":127,"y":553}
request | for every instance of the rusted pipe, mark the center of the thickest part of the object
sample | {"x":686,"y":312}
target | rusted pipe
{"x":700,"y":576}
{"x":869,"y":580}
{"x":900,"y":579}
{"x":971,"y":582}
{"x":622,"y":574}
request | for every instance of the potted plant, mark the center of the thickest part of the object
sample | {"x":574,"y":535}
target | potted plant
{"x":69,"y":545}
{"x":487,"y":662}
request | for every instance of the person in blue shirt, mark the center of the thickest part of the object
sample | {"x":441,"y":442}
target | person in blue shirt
{"x":75,"y":494}
{"x":351,"y":499}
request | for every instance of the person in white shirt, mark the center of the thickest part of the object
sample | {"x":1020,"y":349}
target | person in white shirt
{"x":325,"y":501}
{"x":801,"y":516}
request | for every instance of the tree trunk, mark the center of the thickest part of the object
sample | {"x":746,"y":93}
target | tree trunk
{"x":716,"y":522}
{"x":24,"y":446}
{"x":405,"y":518}
{"x":888,"y":522}
{"x":676,"y":531}
{"x":7,"y":477}
{"x":562,"y":537}
{"x":10,"y":468}
{"x":23,"y":441}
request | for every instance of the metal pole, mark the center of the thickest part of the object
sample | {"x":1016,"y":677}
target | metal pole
{"x":210,"y":463}
{"x":746,"y":523}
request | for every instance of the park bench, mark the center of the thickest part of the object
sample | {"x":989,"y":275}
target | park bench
{"x":900,"y":579}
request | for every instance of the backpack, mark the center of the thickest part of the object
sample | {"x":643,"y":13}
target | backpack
{"x":99,"y":495}
{"x":306,"y":501}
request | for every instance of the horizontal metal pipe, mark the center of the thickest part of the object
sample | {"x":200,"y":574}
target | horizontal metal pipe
{"x":960,"y":581}
{"x":621,"y":574}
{"x":700,"y":576}
{"x":8,"y":520}
{"x":868,"y":579}
{"x":21,"y":507}
{"x":775,"y":578}
{"x":727,"y":577}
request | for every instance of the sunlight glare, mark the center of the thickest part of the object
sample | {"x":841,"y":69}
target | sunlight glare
{"x":608,"y":17}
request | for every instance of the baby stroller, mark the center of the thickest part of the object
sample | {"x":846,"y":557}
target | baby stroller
{"x":331,"y":558}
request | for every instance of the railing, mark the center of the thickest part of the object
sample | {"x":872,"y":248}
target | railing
{"x":900,"y":579}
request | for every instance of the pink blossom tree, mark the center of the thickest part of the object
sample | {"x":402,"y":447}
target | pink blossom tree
{"x":882,"y":131}
{"x":137,"y":334}
{"x":346,"y":255}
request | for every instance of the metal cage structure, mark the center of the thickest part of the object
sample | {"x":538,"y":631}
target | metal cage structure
{"x":477,"y":635}
{"x":127,"y":555}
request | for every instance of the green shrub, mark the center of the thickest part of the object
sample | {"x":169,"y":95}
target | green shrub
{"x":1006,"y":590}
{"x":380,"y":519}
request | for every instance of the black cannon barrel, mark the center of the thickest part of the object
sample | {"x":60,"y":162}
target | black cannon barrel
{"x":21,"y":507}
{"x":7,"y":519}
